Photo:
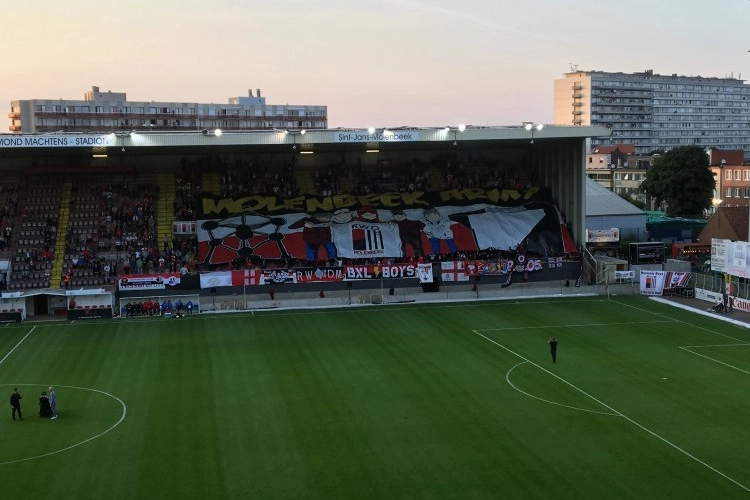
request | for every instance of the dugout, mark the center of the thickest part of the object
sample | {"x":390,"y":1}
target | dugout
{"x":88,"y":304}
{"x":12,"y":307}
{"x":160,"y":296}
{"x":64,"y":304}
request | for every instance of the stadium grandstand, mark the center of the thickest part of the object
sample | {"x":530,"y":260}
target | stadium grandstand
{"x":135,"y":213}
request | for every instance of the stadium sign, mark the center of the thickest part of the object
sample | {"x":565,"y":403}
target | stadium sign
{"x":375,"y":137}
{"x":57,"y":141}
{"x":603,"y":235}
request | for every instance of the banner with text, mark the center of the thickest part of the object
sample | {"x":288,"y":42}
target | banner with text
{"x":148,"y":281}
{"x":390,"y":225}
{"x":652,"y":282}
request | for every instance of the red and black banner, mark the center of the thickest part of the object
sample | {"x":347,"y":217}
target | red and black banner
{"x":381,"y":225}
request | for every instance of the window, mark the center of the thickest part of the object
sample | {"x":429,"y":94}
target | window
{"x":747,"y":175}
{"x":738,"y":175}
{"x":736,"y":192}
{"x":728,"y":193}
{"x":728,"y":175}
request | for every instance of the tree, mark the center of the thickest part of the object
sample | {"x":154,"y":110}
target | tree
{"x":633,"y":201}
{"x":683,"y":179}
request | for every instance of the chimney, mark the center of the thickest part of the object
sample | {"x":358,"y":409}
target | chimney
{"x":258,"y":92}
{"x":250,"y":92}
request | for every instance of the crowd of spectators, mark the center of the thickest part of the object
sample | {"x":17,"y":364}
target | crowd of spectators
{"x":125,"y":237}
{"x":35,"y":204}
{"x":244,"y":177}
{"x":108,"y":219}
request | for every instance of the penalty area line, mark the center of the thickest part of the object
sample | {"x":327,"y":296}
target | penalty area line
{"x":15,"y":346}
{"x":618,"y":413}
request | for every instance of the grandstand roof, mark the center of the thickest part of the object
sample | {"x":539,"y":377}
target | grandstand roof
{"x":391,"y":138}
{"x":602,"y":201}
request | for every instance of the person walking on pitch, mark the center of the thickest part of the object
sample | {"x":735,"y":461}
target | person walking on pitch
{"x":553,"y":348}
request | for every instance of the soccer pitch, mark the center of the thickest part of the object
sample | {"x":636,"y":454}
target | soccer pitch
{"x":433,"y":401}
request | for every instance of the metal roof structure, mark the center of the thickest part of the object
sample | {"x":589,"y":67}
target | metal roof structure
{"x":602,"y":201}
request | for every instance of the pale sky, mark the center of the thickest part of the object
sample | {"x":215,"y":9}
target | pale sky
{"x":372,"y":62}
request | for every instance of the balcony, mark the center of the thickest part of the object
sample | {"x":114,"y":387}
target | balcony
{"x":14,"y":128}
{"x":14,"y":116}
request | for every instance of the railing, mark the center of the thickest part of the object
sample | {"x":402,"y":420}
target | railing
{"x":713,"y":283}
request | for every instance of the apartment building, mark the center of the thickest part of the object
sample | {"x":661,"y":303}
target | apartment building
{"x":657,"y":112}
{"x":732,"y":178}
{"x":619,"y":169}
{"x":111,"y":111}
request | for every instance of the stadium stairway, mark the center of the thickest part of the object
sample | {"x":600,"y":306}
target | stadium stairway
{"x":165,"y":211}
{"x":63,"y":219}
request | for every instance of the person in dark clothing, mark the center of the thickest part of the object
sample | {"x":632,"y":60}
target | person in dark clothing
{"x":15,"y":404}
{"x":553,"y":348}
{"x":44,"y":408}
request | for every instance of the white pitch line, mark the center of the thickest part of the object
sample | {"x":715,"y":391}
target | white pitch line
{"x":680,"y":306}
{"x":618,"y":413}
{"x":14,"y":347}
{"x":582,"y":325}
{"x":75,"y":445}
{"x":715,"y":360}
{"x":743,"y":344}
{"x":507,"y":379}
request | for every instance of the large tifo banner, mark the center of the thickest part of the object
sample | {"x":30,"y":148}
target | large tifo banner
{"x":385,"y":225}
{"x":655,"y":282}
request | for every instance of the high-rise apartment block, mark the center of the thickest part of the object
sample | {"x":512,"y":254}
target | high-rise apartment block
{"x":111,"y":111}
{"x":657,"y":112}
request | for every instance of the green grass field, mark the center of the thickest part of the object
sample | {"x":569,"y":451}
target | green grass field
{"x":420,"y":401}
